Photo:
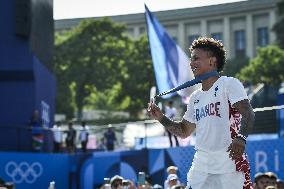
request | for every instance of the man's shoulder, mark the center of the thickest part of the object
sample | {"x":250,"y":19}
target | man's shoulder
{"x":229,"y":79}
{"x":196,"y":92}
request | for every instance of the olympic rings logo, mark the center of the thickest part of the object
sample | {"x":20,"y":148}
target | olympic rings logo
{"x":23,"y":172}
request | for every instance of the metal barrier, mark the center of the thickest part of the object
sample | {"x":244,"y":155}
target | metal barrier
{"x":130,"y":135}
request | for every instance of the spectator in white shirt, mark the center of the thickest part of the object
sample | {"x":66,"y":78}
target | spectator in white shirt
{"x":171,"y":170}
{"x":57,"y":137}
{"x":83,"y":136}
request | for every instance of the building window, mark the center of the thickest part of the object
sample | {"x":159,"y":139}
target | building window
{"x":130,"y":32}
{"x":240,"y":42}
{"x":217,"y":36}
{"x":141,"y":30}
{"x":262,"y":36}
{"x":191,"y":38}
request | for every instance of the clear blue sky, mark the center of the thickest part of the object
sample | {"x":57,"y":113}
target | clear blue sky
{"x":96,"y":8}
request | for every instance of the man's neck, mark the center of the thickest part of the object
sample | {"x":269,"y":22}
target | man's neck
{"x":207,"y":84}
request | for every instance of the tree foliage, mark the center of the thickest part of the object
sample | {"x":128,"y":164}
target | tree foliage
{"x":267,"y":67}
{"x":99,"y":67}
{"x":131,"y":93}
{"x":64,"y":100}
{"x":233,"y":66}
{"x":279,"y":26}
{"x":140,"y":76}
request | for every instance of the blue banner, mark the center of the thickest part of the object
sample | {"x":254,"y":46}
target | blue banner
{"x":263,"y":156}
{"x":280,"y":113}
{"x":171,"y":65}
{"x":266,"y":155}
{"x":29,"y":170}
{"x":86,"y":171}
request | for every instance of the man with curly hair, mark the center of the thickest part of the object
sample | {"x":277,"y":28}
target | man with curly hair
{"x":222,"y":117}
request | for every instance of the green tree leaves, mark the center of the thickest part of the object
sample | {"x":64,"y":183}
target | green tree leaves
{"x":267,"y":67}
{"x":99,"y":67}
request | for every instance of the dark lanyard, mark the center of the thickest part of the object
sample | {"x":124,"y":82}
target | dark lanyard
{"x":190,"y":83}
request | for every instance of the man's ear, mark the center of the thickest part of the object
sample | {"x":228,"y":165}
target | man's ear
{"x":213,"y":61}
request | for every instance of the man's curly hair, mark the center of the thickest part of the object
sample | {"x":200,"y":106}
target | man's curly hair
{"x":214,"y":47}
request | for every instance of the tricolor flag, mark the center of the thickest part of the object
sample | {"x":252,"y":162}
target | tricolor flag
{"x":171,"y":64}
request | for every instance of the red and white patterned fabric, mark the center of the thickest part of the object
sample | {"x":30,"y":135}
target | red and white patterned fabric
{"x":242,"y":164}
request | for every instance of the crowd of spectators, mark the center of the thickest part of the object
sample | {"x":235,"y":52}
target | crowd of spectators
{"x":267,"y":180}
{"x":6,"y":185}
{"x":70,"y":139}
{"x":65,"y":140}
{"x":118,"y":182}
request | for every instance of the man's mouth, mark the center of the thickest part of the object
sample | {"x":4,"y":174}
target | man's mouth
{"x":194,"y":69}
